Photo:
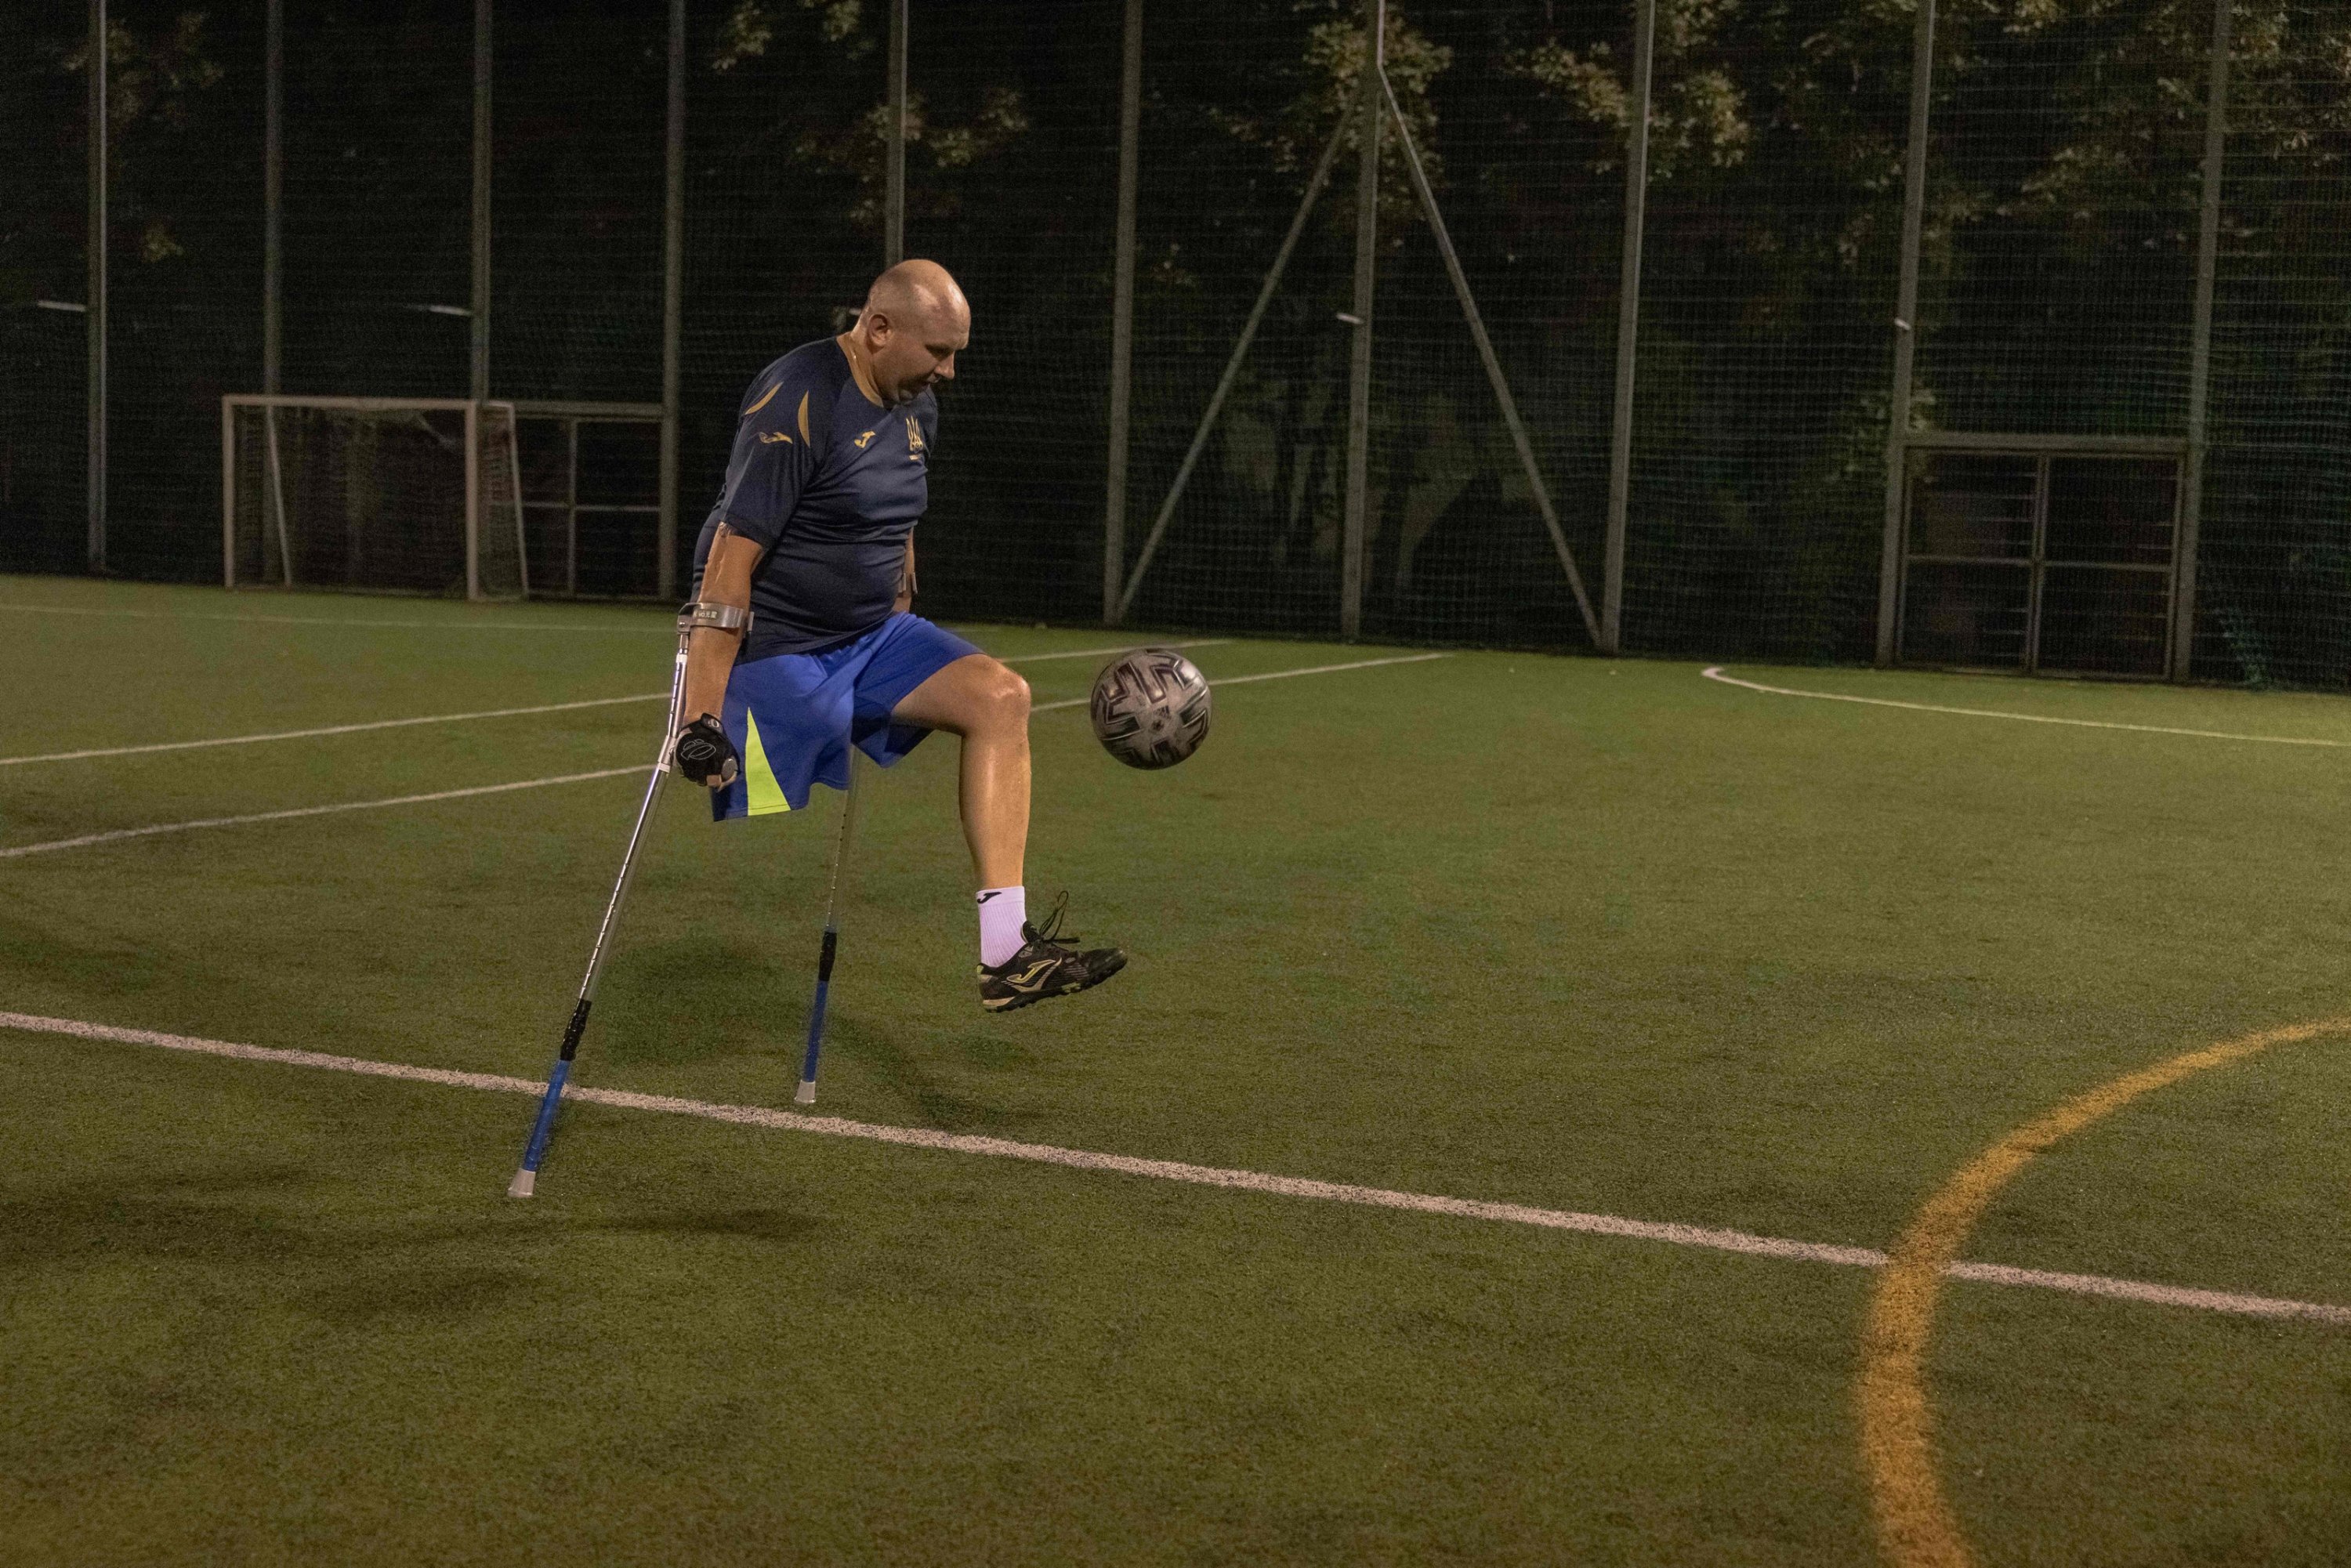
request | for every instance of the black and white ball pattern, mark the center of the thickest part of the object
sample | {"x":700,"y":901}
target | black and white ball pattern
{"x":1151,"y":708}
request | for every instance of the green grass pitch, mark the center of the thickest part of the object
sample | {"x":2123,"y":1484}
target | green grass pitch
{"x":1566,"y":933}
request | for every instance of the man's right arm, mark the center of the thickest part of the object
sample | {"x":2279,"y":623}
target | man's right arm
{"x":709,"y":651}
{"x":775,"y":457}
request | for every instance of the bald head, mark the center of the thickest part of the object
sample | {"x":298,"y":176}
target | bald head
{"x":914,"y":322}
{"x":919,"y":288}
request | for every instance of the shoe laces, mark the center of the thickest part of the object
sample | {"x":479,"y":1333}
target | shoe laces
{"x":1047,"y":932}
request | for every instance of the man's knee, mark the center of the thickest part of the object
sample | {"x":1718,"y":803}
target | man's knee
{"x":1005,"y":697}
{"x":980,"y":697}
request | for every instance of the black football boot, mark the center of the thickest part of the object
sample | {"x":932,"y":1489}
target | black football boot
{"x":1045,"y":966}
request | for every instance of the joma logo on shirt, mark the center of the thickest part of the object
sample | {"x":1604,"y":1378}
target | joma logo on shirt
{"x":859,"y":442}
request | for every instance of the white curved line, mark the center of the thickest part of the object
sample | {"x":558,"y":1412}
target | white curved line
{"x":1714,"y":672}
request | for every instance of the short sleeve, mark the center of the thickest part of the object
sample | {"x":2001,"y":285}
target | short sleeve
{"x":775,"y":457}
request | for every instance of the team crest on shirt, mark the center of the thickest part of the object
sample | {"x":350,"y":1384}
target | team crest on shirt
{"x":914,"y":447}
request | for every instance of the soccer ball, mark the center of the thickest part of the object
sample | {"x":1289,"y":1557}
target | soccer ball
{"x":1151,"y":708}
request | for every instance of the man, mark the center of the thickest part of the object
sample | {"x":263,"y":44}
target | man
{"x":814,"y":537}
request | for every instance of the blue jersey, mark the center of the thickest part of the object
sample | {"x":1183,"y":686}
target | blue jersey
{"x":831,"y":484}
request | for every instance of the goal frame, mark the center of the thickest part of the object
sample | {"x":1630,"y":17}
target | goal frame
{"x":470,"y":407}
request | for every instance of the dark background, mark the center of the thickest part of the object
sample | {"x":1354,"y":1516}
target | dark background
{"x":2058,"y":277}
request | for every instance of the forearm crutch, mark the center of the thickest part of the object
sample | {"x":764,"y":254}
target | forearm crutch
{"x":806,"y":1093}
{"x":723,"y":617}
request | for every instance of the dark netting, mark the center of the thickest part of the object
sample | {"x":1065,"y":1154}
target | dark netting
{"x":1455,"y":545}
{"x":1530,"y":192}
{"x":1766,"y":345}
{"x":372,"y":499}
{"x":2274,"y":590}
{"x":379,"y":160}
{"x":2057,"y":296}
{"x":186,"y":215}
{"x":2062,"y":195}
{"x":44,"y":345}
{"x":579,"y":100}
{"x":2058,"y":285}
{"x":782,"y":205}
{"x":1254,"y":542}
{"x":1011,"y":182}
{"x":183,"y":233}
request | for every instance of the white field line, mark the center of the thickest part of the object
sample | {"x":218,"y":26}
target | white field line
{"x":1100,"y":653}
{"x":328,"y":730}
{"x":1277,"y":676}
{"x":484,"y":713}
{"x":111,"y":837}
{"x":1714,"y":672}
{"x":1708,"y":1237}
{"x":86,"y":840}
{"x":461,"y":625}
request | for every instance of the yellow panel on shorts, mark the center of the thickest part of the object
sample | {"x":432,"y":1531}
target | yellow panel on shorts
{"x":761,"y":789}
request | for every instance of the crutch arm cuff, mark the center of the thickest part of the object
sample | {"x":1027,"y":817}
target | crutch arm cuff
{"x":701,"y":614}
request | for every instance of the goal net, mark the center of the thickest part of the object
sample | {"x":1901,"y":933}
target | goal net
{"x":416,"y":495}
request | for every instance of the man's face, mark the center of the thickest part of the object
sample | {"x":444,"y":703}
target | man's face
{"x":915,"y":351}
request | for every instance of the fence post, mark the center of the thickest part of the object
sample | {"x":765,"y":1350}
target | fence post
{"x":1905,"y":335}
{"x":478,"y":371}
{"x":94,"y":320}
{"x":1359,"y":370}
{"x":673,"y":294}
{"x":1122,"y":315}
{"x":273,"y":200}
{"x":1628,"y":323}
{"x":893,"y":200}
{"x":2200,"y":354}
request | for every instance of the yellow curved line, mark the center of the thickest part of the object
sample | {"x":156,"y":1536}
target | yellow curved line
{"x":764,"y":398}
{"x":1915,"y":1526}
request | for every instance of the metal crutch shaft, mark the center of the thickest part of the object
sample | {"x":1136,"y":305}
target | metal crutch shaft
{"x":526,"y":1178}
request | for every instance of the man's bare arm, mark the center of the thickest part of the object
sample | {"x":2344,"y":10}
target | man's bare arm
{"x":906,"y":579}
{"x":710,"y":654}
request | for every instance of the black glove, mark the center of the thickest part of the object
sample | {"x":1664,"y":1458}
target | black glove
{"x":704,"y":753}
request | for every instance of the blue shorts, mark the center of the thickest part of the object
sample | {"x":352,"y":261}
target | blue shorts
{"x":792,"y":716}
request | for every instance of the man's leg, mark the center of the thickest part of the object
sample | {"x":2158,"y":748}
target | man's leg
{"x":988,"y":705}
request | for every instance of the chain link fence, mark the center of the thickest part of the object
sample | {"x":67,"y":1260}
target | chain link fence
{"x":2089,"y":447}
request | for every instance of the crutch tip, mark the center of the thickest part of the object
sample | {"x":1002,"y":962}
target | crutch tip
{"x":523,"y":1183}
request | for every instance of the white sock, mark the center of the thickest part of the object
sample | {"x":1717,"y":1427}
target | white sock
{"x":1001,"y":912}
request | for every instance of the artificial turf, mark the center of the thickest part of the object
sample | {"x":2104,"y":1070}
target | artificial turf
{"x":1582,"y":934}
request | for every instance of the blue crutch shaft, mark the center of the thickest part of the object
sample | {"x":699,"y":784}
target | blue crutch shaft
{"x":806,"y":1093}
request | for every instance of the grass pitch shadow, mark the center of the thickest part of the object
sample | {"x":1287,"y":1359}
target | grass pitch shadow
{"x":690,"y":1000}
{"x":749,"y":1223}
